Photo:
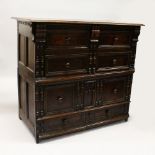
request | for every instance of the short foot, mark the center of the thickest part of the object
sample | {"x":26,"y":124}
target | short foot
{"x":37,"y":140}
{"x":20,"y":118}
{"x":126,"y":119}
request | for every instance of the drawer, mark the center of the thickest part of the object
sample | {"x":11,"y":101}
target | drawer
{"x":114,"y":89}
{"x":103,"y":114}
{"x":100,"y":115}
{"x":63,"y":123}
{"x":73,"y":35}
{"x":115,"y":37}
{"x":117,"y":111}
{"x":107,"y":61}
{"x":58,"y":98}
{"x":109,"y":113}
{"x":67,"y":64}
{"x":111,"y":90}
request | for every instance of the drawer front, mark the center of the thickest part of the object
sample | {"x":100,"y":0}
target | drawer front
{"x":63,"y":123}
{"x":68,"y":35}
{"x":70,"y":64}
{"x":117,"y":111}
{"x":107,"y":61}
{"x":115,"y":37}
{"x":110,"y":91}
{"x":58,"y":98}
{"x":115,"y":89}
{"x":103,"y":114}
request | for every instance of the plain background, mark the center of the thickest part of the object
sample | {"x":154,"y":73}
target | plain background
{"x":137,"y":136}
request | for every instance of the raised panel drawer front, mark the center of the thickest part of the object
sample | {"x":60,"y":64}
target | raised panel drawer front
{"x":59,"y":98}
{"x":115,"y":37}
{"x":66,"y":64}
{"x":111,"y":90}
{"x":102,"y":114}
{"x":61,"y":35}
{"x":112,"y":61}
{"x":115,"y":89}
{"x":59,"y":124}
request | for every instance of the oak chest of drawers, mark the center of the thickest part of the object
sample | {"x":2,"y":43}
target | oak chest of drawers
{"x":74,"y":75}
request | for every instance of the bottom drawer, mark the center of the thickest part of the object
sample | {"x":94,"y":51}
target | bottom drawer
{"x":83,"y":119}
{"x":102,"y":114}
{"x":117,"y":111}
{"x":63,"y":123}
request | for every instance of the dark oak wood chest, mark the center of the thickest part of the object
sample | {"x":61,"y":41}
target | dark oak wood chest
{"x":74,"y":75}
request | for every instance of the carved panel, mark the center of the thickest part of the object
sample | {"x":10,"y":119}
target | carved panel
{"x":59,"y":98}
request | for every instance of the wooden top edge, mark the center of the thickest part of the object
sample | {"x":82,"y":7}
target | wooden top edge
{"x":106,"y":22}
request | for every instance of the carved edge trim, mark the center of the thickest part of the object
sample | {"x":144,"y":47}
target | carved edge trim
{"x":40,"y":42}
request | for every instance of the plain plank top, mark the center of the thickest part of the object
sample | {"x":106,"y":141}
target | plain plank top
{"x":107,"y":22}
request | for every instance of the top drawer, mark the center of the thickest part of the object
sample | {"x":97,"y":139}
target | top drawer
{"x":115,"y":38}
{"x":70,"y":35}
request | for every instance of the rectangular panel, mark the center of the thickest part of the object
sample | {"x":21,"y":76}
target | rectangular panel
{"x":115,"y":37}
{"x":67,"y":35}
{"x":67,"y":64}
{"x":117,"y":111}
{"x":31,"y":103}
{"x":59,"y":98}
{"x":89,"y":93}
{"x":23,"y":97}
{"x":106,"y":61}
{"x":103,"y":114}
{"x":111,"y":90}
{"x":114,"y":89}
{"x":63,"y":123}
{"x":22,"y":50}
{"x":31,"y":54}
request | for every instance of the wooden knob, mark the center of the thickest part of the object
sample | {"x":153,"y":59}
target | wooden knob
{"x":114,"y":61}
{"x":89,"y":70}
{"x":115,"y":91}
{"x":67,"y":65}
{"x":67,"y":39}
{"x":100,"y":101}
{"x":116,"y":38}
{"x":60,"y":99}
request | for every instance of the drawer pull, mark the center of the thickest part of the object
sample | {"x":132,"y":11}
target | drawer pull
{"x":60,"y":99}
{"x":116,"y":38}
{"x":67,"y":65}
{"x":114,"y":61}
{"x":115,"y":91}
{"x":67,"y":39}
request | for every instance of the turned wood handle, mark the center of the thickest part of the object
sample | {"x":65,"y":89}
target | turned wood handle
{"x":115,"y":91}
{"x":59,"y":98}
{"x":116,"y":38}
{"x":114,"y":61}
{"x":67,"y":65}
{"x":67,"y":39}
